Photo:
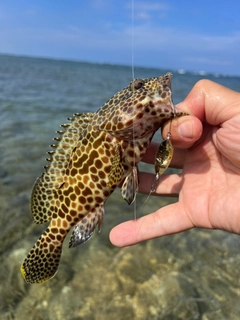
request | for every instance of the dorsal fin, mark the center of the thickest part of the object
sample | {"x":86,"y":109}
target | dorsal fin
{"x":58,"y":162}
{"x":67,"y":141}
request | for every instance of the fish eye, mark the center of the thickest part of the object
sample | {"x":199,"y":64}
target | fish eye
{"x":136,"y":84}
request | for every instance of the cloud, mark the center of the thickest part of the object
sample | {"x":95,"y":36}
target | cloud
{"x":156,"y":38}
{"x":143,"y":10}
{"x":215,"y":43}
{"x":152,"y":45}
{"x":202,"y":60}
{"x":30,"y":12}
{"x":147,"y":6}
{"x":3,"y":14}
{"x":100,"y":4}
{"x":146,"y":39}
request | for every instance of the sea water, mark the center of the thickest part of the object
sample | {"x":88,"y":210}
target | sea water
{"x":192,"y":275}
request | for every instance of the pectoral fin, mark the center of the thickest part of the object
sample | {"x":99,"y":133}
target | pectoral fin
{"x":84,"y":229}
{"x":130,"y":186}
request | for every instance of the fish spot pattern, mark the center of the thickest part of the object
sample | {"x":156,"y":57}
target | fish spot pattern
{"x":93,"y":154}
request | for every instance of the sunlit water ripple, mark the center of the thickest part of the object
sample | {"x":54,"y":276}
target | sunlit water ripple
{"x":192,"y":275}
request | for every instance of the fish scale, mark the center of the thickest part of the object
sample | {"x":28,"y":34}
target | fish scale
{"x":94,"y":154}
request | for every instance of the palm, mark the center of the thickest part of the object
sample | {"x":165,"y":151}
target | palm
{"x":208,"y":187}
{"x":210,"y":182}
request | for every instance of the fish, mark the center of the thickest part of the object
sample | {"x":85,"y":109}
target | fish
{"x":93,"y":155}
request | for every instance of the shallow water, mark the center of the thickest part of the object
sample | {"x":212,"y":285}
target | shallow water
{"x":192,"y":275}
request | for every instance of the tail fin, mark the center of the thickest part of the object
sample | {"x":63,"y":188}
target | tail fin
{"x":42,"y":262}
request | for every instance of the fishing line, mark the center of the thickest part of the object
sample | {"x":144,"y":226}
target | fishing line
{"x":133,"y":77}
{"x":163,"y":158}
{"x":162,"y":161}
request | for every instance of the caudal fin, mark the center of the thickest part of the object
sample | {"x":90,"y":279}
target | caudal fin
{"x":42,"y":262}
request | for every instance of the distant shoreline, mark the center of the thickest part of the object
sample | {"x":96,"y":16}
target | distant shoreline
{"x":180,"y":71}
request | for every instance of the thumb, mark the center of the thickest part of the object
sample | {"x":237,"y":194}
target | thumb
{"x":211,"y":102}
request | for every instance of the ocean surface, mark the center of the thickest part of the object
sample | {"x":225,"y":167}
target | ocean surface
{"x":191,"y":275}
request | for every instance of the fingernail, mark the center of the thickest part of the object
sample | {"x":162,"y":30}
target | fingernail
{"x":185,"y":129}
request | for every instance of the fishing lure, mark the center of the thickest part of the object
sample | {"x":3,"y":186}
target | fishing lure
{"x":163,"y":159}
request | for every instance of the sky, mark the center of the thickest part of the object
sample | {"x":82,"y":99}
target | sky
{"x":190,"y":35}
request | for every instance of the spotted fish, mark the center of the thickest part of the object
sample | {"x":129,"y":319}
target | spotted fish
{"x":94,"y":154}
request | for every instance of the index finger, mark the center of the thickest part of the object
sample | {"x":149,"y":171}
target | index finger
{"x":168,"y":220}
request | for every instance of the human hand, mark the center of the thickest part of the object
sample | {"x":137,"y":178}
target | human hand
{"x":207,"y":148}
